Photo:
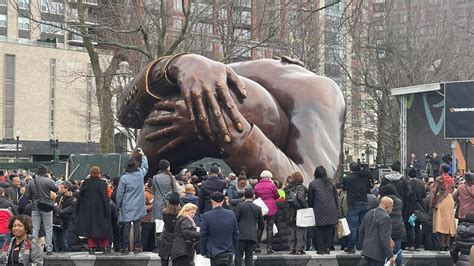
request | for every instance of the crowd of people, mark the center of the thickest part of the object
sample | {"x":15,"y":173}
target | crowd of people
{"x":215,"y":215}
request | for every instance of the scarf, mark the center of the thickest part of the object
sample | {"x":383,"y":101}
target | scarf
{"x":447,"y":180}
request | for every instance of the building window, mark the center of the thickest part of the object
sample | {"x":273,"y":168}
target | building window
{"x":51,"y":27}
{"x":178,"y":5}
{"x":3,"y":20}
{"x":52,"y":78}
{"x":3,"y":2}
{"x":48,"y":6}
{"x":23,"y":23}
{"x":23,"y":4}
{"x":9,"y":97}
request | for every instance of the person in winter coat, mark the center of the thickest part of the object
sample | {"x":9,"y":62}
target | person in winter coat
{"x":464,"y":196}
{"x":443,"y":203}
{"x":185,"y":236}
{"x":63,"y":214}
{"x":417,"y":186}
{"x":213,"y":184}
{"x":322,"y":197}
{"x":93,"y":212}
{"x":396,"y":220}
{"x":170,"y":214}
{"x":237,"y":190}
{"x":268,"y":192}
{"x":22,"y":248}
{"x":147,"y":223}
{"x":189,"y":195}
{"x":280,"y":240}
{"x":464,"y":242}
{"x":342,"y":210}
{"x":430,"y":240}
{"x":374,"y":234}
{"x":131,"y":201}
{"x":7,"y":210}
{"x":163,"y":184}
{"x":249,"y":219}
{"x":403,"y":190}
{"x":297,"y":198}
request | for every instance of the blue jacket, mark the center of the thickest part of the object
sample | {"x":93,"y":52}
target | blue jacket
{"x":219,"y":232}
{"x":131,"y":194}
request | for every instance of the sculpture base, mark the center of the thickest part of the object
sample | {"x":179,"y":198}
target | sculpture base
{"x":336,"y":258}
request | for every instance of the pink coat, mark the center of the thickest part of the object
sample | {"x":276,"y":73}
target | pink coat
{"x":464,"y":196}
{"x":268,"y":192}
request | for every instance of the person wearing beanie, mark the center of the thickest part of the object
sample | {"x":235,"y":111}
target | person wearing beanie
{"x":131,"y":201}
{"x":170,"y":214}
{"x":93,"y":212}
{"x":213,"y":184}
{"x":268,"y":192}
{"x":164,"y":184}
{"x":39,"y":192}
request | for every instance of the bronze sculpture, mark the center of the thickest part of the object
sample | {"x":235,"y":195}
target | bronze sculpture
{"x":264,"y":114}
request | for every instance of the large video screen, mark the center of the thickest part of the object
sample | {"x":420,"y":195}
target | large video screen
{"x":459,"y":110}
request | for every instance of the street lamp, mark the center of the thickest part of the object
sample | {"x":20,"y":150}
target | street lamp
{"x":17,"y":144}
{"x":54,"y":144}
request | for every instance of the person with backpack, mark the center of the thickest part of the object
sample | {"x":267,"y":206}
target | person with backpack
{"x":296,"y":197}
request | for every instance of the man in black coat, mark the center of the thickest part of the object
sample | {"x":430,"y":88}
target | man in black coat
{"x":374,"y":233}
{"x":213,"y":184}
{"x":419,"y":193}
{"x":403,"y":190}
{"x":249,"y":216}
{"x":219,"y":232}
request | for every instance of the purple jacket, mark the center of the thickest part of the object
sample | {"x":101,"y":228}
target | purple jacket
{"x":268,"y":192}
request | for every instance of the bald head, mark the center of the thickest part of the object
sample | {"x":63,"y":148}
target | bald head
{"x":387,"y":204}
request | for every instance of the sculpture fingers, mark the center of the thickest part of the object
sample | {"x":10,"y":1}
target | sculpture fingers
{"x":167,"y":105}
{"x":188,"y":101}
{"x":235,"y":83}
{"x":171,"y":145}
{"x":229,"y":104}
{"x":216,"y":115}
{"x":202,"y":116}
{"x":162,"y":133}
{"x":160,"y":120}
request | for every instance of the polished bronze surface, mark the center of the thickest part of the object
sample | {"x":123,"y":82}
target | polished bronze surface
{"x":262,"y":114}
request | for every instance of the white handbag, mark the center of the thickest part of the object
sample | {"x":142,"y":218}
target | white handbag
{"x":305,"y":217}
{"x":259,"y":202}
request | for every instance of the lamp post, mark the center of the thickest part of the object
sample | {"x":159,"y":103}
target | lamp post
{"x":54,"y":144}
{"x":17,"y":144}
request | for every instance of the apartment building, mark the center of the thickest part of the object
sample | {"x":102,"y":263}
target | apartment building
{"x":47,"y":89}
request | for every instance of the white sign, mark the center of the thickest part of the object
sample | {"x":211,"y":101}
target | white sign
{"x":10,"y":147}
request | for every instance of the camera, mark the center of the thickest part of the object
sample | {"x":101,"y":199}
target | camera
{"x":428,"y":156}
